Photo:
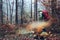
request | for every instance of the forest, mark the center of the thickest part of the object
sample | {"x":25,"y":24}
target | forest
{"x":28,"y":17}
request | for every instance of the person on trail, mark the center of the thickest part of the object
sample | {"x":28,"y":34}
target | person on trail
{"x":43,"y":15}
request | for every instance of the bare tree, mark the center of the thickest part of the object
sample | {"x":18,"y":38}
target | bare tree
{"x":7,"y":8}
{"x":10,"y":13}
{"x":31,"y":8}
{"x":1,"y":11}
{"x":35,"y":10}
{"x":11,"y":10}
{"x":16,"y":18}
{"x":22,"y":11}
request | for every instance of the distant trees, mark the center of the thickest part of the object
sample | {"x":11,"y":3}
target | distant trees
{"x":1,"y":12}
{"x":19,"y":7}
{"x":10,"y":12}
{"x":11,"y":9}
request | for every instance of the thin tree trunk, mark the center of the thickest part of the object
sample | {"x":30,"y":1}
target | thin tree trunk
{"x":11,"y":16}
{"x":31,"y":8}
{"x":1,"y":11}
{"x":22,"y":11}
{"x":35,"y":10}
{"x":7,"y":10}
{"x":10,"y":13}
{"x":16,"y":19}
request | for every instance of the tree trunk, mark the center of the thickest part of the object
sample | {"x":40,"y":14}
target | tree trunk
{"x":35,"y":10}
{"x":7,"y":10}
{"x":1,"y":11}
{"x":22,"y":11}
{"x":31,"y":8}
{"x":16,"y":19}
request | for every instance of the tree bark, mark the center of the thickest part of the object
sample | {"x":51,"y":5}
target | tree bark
{"x":35,"y":10}
{"x":31,"y":8}
{"x":1,"y":11}
{"x":22,"y":11}
{"x":16,"y":19}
